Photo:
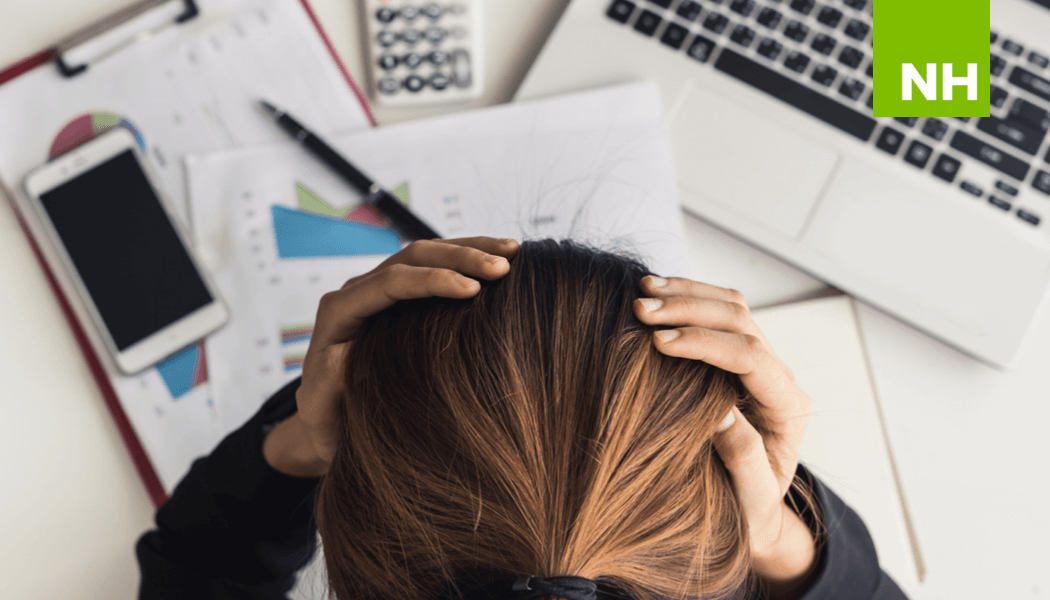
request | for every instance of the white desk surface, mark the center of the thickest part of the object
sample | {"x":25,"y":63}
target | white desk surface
{"x":72,"y":505}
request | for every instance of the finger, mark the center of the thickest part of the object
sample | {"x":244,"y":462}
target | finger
{"x":743,"y":451}
{"x":341,"y":311}
{"x":480,"y":257}
{"x":768,"y":380}
{"x":680,"y":286}
{"x":690,"y":310}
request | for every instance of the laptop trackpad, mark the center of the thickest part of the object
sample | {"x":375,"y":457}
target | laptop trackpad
{"x":750,"y":164}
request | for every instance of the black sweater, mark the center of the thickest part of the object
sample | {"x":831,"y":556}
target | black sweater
{"x":236,"y":528}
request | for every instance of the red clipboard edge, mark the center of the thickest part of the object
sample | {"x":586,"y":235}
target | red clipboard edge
{"x":127,"y":433}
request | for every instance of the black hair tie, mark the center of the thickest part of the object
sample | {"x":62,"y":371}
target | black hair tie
{"x":568,"y":587}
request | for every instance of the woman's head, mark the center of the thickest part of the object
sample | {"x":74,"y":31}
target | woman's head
{"x":531,"y":430}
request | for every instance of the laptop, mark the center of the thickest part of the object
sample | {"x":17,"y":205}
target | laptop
{"x":942,"y":222}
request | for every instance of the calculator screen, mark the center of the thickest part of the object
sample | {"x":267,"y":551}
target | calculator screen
{"x":125,"y":249}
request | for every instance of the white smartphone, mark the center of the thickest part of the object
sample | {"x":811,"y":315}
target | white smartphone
{"x":118,"y":252}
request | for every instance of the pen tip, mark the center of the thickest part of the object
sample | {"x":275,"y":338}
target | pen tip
{"x":268,"y":107}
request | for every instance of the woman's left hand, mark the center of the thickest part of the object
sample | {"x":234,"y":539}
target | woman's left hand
{"x":714,"y":325}
{"x":303,"y":445}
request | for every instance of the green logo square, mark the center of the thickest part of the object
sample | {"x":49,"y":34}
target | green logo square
{"x":929,"y":51}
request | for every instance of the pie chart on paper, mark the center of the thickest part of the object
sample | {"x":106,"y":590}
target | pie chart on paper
{"x":89,"y":126}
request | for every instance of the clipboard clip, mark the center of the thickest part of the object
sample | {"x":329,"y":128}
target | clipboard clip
{"x":122,"y":29}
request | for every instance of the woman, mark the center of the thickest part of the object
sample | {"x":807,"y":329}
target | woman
{"x":541,"y":435}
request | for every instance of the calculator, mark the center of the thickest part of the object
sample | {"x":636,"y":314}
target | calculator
{"x":422,"y":53}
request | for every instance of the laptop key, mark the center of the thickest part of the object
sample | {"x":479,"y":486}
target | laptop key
{"x":701,"y":48}
{"x":796,"y":94}
{"x":918,"y":154}
{"x":990,"y":155}
{"x":742,"y":7}
{"x":824,"y":75}
{"x":1024,"y":215}
{"x":997,"y":65}
{"x":715,"y":22}
{"x":1030,"y":82}
{"x":890,"y":140}
{"x":851,"y":57}
{"x":1036,"y":116}
{"x":857,"y":30}
{"x":796,"y":31}
{"x":935,"y":128}
{"x":620,"y":10}
{"x":769,"y":17}
{"x":830,"y":16}
{"x":689,"y":10}
{"x":1016,"y":133}
{"x":1041,"y":182}
{"x":946,"y":168}
{"x":823,"y":43}
{"x":803,"y":6}
{"x":856,"y":4}
{"x":647,"y":22}
{"x":907,"y":121}
{"x":870,"y":71}
{"x":998,"y":202}
{"x":770,"y":48}
{"x":1006,"y":188}
{"x":662,"y":3}
{"x":998,"y":96}
{"x":743,"y":35}
{"x":1013,"y":47}
{"x":796,"y":61}
{"x":970,"y":188}
{"x":674,"y":36}
{"x":1038,"y":60}
{"x":851,"y":88}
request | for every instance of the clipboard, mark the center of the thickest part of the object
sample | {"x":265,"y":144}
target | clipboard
{"x":77,"y":57}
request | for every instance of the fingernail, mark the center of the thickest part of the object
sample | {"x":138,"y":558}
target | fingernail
{"x":652,"y":304}
{"x":657,"y":282}
{"x":495,"y":259}
{"x":667,"y":335}
{"x":726,"y":422}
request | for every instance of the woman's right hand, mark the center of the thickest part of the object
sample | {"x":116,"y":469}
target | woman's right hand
{"x":714,"y":325}
{"x":303,"y":445}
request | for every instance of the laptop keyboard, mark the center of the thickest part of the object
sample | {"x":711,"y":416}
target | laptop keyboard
{"x":817,"y":57}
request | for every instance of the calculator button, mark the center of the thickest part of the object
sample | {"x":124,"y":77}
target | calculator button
{"x":851,"y":57}
{"x":409,"y":13}
{"x":918,"y":154}
{"x":1013,"y":47}
{"x":388,"y":62}
{"x":1038,"y":60}
{"x":389,"y":85}
{"x":998,"y":96}
{"x":998,"y":202}
{"x":386,"y":38}
{"x":414,"y":83}
{"x":439,"y":81}
{"x":935,"y":128}
{"x":434,"y":11}
{"x":796,"y":61}
{"x":946,"y":168}
{"x":461,"y":73}
{"x":701,"y":48}
{"x":856,"y":4}
{"x":742,"y":7}
{"x":1041,"y":182}
{"x":434,"y":35}
{"x":972,"y":189}
{"x":1006,"y":188}
{"x":870,"y":71}
{"x":411,"y":36}
{"x":769,"y":17}
{"x":647,"y":22}
{"x":1024,"y":215}
{"x":997,"y":65}
{"x":662,"y":3}
{"x":386,"y":15}
{"x":620,"y":10}
{"x":823,"y":43}
{"x":830,"y":16}
{"x":743,"y":35}
{"x":412,"y":60}
{"x":857,"y":30}
{"x":803,"y":6}
{"x":438,"y":57}
{"x":907,"y":121}
{"x":688,"y":10}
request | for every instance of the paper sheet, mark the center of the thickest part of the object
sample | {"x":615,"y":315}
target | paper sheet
{"x":595,"y":167}
{"x":191,"y":88}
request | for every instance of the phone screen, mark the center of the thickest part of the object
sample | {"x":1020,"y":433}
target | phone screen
{"x":125,"y":249}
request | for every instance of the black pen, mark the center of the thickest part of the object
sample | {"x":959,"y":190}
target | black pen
{"x":408,"y":225}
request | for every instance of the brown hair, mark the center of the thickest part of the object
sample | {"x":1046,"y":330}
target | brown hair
{"x":531,"y":430}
